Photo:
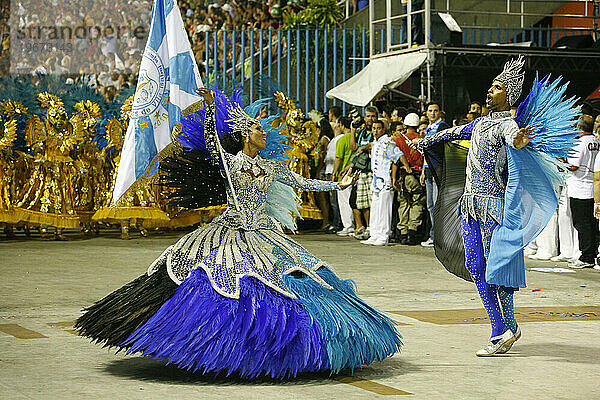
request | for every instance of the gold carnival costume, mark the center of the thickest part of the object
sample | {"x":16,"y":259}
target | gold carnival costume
{"x":302,"y":138}
{"x":7,"y":170}
{"x":141,"y":201}
{"x":89,"y":180}
{"x":14,"y":164}
{"x":47,"y":196}
{"x":199,"y":216}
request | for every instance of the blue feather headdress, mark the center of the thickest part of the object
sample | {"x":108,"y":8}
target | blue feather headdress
{"x":192,"y":125}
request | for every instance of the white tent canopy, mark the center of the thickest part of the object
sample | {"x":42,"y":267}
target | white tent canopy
{"x":388,"y":71}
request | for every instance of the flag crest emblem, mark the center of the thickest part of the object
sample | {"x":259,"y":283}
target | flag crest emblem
{"x":151,"y":86}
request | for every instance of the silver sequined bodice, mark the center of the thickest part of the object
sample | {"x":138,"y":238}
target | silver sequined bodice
{"x":486,"y":162}
{"x":252,"y":179}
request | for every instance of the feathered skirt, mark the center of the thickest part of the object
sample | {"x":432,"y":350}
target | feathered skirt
{"x":309,"y":321}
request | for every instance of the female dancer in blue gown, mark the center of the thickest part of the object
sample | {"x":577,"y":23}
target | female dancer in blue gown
{"x":237,"y":296}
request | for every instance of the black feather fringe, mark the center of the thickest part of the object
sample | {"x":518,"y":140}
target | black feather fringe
{"x":113,"y":319}
{"x":192,"y":181}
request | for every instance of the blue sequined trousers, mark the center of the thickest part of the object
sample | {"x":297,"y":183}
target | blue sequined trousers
{"x":477,"y":247}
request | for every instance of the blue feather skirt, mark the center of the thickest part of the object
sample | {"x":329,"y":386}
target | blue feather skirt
{"x":261,"y":333}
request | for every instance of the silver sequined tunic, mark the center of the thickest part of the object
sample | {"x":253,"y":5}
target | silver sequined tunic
{"x":486,"y":171}
{"x":244,"y":242}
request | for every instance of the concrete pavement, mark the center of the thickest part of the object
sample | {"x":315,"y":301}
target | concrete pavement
{"x":44,"y":285}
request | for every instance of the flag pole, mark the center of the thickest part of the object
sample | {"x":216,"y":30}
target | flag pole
{"x":227,"y":174}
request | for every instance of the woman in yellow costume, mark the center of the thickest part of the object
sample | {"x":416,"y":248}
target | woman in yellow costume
{"x":14,"y":168}
{"x":8,"y":134}
{"x":141,"y":202}
{"x":47,"y":197}
{"x":89,"y":181}
{"x":302,"y":137}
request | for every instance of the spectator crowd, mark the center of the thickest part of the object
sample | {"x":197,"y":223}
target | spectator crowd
{"x":101,"y":43}
{"x":102,"y":36}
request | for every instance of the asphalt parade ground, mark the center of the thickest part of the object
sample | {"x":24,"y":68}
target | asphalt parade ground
{"x":44,"y":285}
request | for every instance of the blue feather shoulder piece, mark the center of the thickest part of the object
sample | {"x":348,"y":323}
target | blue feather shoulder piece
{"x":553,"y":117}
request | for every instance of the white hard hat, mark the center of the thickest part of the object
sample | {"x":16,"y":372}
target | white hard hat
{"x":412,"y":119}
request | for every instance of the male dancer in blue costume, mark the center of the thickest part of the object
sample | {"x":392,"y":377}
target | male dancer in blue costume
{"x":482,"y":203}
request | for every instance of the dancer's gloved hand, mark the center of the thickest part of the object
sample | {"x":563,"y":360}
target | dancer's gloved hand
{"x":206,"y":94}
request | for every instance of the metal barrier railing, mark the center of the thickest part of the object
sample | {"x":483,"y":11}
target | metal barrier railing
{"x":539,"y":36}
{"x":493,"y":35}
{"x":306,"y":63}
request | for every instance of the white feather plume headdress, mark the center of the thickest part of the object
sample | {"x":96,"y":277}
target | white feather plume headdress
{"x":241,"y":122}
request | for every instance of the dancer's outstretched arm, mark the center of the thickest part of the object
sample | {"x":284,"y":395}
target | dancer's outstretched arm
{"x":284,"y":175}
{"x":210,"y":127}
{"x":461,"y":132}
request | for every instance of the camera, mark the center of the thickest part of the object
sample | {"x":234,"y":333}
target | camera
{"x":357,"y":119}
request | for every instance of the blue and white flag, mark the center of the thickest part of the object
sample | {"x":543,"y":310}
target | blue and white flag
{"x":167,"y":84}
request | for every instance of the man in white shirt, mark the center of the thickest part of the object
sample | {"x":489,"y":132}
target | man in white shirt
{"x":581,"y":194}
{"x":597,"y":196}
{"x":384,"y":155}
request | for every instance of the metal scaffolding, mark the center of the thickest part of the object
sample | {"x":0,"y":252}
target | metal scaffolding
{"x":413,"y":13}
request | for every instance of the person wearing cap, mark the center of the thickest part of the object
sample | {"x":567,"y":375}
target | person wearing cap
{"x":411,"y":196}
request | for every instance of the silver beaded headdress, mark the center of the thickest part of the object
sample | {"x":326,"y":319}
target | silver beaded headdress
{"x":241,"y":121}
{"x":512,"y":76}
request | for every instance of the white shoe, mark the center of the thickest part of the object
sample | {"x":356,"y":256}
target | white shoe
{"x":506,"y":339}
{"x":357,"y":232}
{"x":538,"y":256}
{"x":560,"y":258}
{"x":345,"y":232}
{"x":578,"y":264}
{"x":369,"y":241}
{"x":597,"y":267}
{"x":379,"y":243}
{"x":428,"y":243}
{"x":507,"y":347}
{"x":528,"y":252}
